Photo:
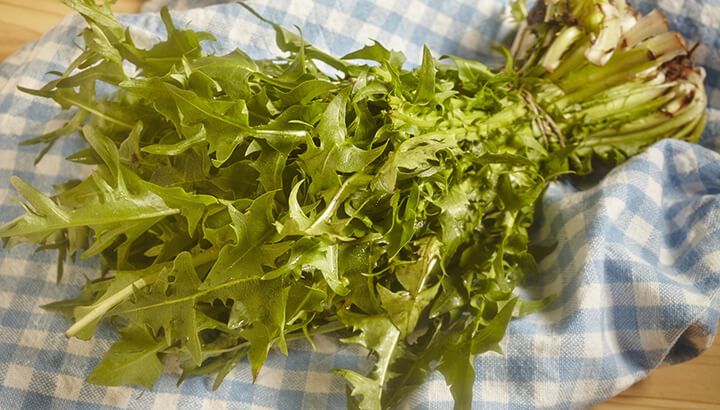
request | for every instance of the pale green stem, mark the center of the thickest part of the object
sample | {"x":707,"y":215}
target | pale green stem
{"x":124,"y":293}
{"x":331,"y":208}
{"x":567,"y":37}
{"x":107,"y":304}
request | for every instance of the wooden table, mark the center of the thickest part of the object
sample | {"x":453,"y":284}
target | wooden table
{"x":693,"y":385}
{"x":22,"y":21}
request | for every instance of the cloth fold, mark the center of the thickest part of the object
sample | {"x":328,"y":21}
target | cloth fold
{"x":636,"y":269}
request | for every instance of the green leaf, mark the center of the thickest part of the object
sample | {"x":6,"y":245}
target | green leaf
{"x":325,"y":259}
{"x":529,"y":307}
{"x":265,"y":309}
{"x":191,"y":206}
{"x":336,"y":152}
{"x":378,"y":53}
{"x":180,"y":44}
{"x":289,"y":41}
{"x":106,"y":112}
{"x":231,"y":71}
{"x":244,"y":258}
{"x":457,"y":368}
{"x":473,"y":74}
{"x":356,"y":261}
{"x":379,"y":335}
{"x":307,"y":91}
{"x":227,"y":366}
{"x":296,"y":69}
{"x":270,"y":165}
{"x":414,"y":156}
{"x":132,"y":360}
{"x":101,"y":15}
{"x":510,"y":199}
{"x":488,"y":337}
{"x":456,"y":214}
{"x":258,"y":305}
{"x":112,"y":208}
{"x":224,"y":122}
{"x":426,"y":78}
{"x":403,"y":308}
{"x":52,"y":137}
{"x":403,"y":225}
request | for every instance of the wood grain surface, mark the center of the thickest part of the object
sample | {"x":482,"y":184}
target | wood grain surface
{"x":22,"y":21}
{"x":691,"y":385}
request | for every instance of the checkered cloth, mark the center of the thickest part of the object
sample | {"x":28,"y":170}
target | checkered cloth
{"x":637,"y":267}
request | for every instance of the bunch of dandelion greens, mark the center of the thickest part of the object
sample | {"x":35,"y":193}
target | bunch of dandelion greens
{"x":238,"y":204}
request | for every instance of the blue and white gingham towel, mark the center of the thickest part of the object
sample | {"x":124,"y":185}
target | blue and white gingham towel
{"x":637,"y":268}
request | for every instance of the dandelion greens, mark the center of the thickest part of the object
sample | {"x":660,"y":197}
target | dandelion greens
{"x":239,"y":204}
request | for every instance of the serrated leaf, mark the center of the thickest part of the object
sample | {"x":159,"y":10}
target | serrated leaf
{"x":488,"y":337}
{"x":457,"y":368}
{"x":244,"y":258}
{"x":132,"y":360}
{"x":403,"y":308}
{"x":426,"y":78}
{"x":379,"y":335}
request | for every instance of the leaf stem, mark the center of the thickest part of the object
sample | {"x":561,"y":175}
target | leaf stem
{"x":294,"y":133}
{"x":109,"y":303}
{"x":334,"y":202}
{"x":320,"y":330}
